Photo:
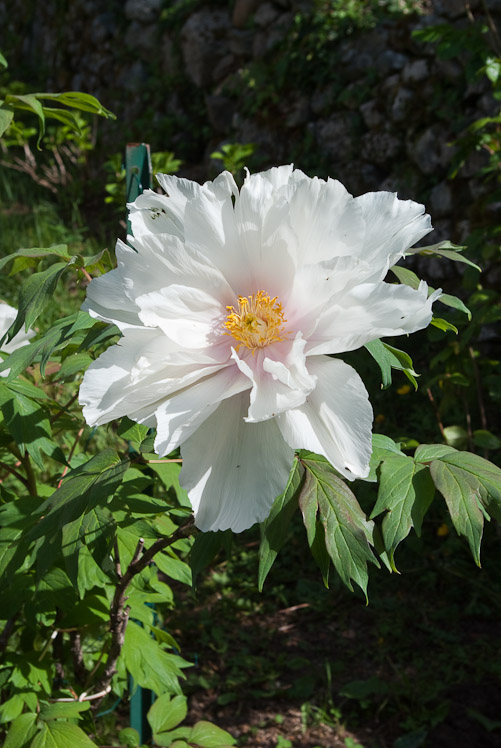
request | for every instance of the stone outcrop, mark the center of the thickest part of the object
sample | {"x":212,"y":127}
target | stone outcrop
{"x":381,"y":114}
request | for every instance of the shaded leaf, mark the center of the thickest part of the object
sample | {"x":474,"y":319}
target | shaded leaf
{"x":275,"y":527}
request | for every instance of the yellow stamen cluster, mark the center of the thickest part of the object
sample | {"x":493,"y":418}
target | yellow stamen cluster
{"x":257,"y":322}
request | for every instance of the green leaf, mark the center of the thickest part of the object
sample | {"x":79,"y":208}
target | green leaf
{"x":388,"y":358}
{"x":131,"y":431}
{"x":493,"y":68}
{"x":448,"y":250}
{"x":149,"y":664}
{"x":29,"y":102}
{"x":204,"y":550}
{"x":485,"y":439}
{"x":429,"y":452}
{"x":382,"y":447}
{"x":455,"y":436}
{"x":77,"y":100}
{"x":58,"y":250}
{"x":129,"y":737}
{"x":65,"y":710}
{"x":455,"y":303}
{"x":442,"y":324}
{"x":462,"y":495}
{"x":35,"y":293}
{"x":21,"y":731}
{"x":275,"y":528}
{"x":6,"y":118}
{"x":59,"y":335}
{"x":61,"y":735}
{"x":348,"y":533}
{"x":166,"y":713}
{"x":86,"y":487}
{"x":28,"y":423}
{"x":174,"y":568}
{"x":405,"y":492}
{"x":3,"y":61}
{"x":207,"y":735}
{"x":406,"y":276}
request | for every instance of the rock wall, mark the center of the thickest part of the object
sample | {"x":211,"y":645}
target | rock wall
{"x":189,"y":75}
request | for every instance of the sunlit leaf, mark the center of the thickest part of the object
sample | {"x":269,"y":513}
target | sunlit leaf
{"x":405,"y":493}
{"x":348,"y":533}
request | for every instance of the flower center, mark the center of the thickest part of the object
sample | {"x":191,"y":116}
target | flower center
{"x":257,"y":322}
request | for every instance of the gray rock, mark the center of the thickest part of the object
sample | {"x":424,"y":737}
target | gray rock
{"x":240,"y":42}
{"x":141,"y":39}
{"x":264,"y":41}
{"x":298,"y":112}
{"x":440,"y":203}
{"x":133,"y":77}
{"x":224,"y":68}
{"x":403,"y":104}
{"x":336,"y":135}
{"x":371,"y":114}
{"x":145,"y":11}
{"x":448,"y":70}
{"x":380,"y":147}
{"x":450,"y":8}
{"x":242,"y":11}
{"x":429,"y":151}
{"x":169,"y":61}
{"x":389,"y":61}
{"x":321,"y":100}
{"x":265,"y":15}
{"x":220,"y":112}
{"x":476,"y":161}
{"x":201,"y":44}
{"x":416,"y":71}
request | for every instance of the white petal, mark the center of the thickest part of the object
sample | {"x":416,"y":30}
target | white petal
{"x":326,"y":220}
{"x":266,"y":239}
{"x":140,"y":371}
{"x":371,"y":311}
{"x":160,"y":260}
{"x":279,"y":377}
{"x":181,"y":414}
{"x":393,"y":226}
{"x":106,"y":300}
{"x":336,"y":419}
{"x":317,"y":286}
{"x":152,"y":213}
{"x":233,"y":470}
{"x":7,"y":316}
{"x":189,"y":316}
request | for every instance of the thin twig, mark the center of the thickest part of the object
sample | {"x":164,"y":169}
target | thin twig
{"x":437,"y":414}
{"x":78,"y":660}
{"x":7,"y":631}
{"x":476,"y":374}
{"x":119,"y":612}
{"x":86,"y":274}
{"x":66,"y":468}
{"x":83,"y":697}
{"x":64,"y":408}
{"x":13,"y":472}
{"x":161,"y":462}
{"x":30,"y":475}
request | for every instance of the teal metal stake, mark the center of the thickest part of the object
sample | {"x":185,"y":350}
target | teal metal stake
{"x":138,"y":178}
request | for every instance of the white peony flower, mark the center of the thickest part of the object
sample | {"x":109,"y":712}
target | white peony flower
{"x":7,"y":316}
{"x":229,"y":304}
